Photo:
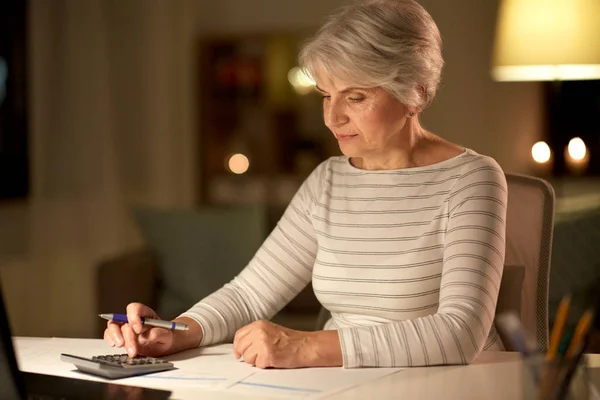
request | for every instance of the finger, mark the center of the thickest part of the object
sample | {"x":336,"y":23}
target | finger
{"x":142,"y":310}
{"x":243,"y":331}
{"x":134,"y":313}
{"x":130,"y":338}
{"x":114,"y":332}
{"x":241,"y":347}
{"x":108,"y":339}
{"x":240,"y":344}
{"x":262,"y":361}
{"x":250,"y":356}
{"x":239,"y":336}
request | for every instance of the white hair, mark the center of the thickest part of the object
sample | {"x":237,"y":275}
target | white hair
{"x":392,"y":44}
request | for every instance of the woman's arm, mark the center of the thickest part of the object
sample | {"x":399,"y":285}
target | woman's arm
{"x":183,"y":340}
{"x":323,"y":349}
{"x":472,"y":270}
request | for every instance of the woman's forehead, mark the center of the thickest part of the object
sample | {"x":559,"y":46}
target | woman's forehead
{"x":334,"y":79}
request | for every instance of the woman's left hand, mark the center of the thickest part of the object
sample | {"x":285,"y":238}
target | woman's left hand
{"x":265,"y":344}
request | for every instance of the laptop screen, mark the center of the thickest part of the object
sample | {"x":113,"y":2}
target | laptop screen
{"x":17,"y":385}
{"x":12,"y":387}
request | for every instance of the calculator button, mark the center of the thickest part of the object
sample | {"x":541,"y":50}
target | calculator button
{"x":115,"y":366}
{"x":124,"y":359}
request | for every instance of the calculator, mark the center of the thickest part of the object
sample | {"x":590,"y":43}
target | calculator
{"x":117,"y":366}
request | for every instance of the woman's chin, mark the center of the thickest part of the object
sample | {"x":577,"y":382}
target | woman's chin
{"x":349,"y":150}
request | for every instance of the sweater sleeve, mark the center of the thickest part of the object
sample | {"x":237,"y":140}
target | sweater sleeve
{"x":280,"y":269}
{"x":473,"y":260}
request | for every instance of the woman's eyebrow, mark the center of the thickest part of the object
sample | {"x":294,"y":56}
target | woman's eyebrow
{"x":346,"y":90}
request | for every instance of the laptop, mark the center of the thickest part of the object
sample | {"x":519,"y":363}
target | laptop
{"x":18,"y":385}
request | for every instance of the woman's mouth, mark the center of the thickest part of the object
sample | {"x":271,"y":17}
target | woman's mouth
{"x":342,"y":137}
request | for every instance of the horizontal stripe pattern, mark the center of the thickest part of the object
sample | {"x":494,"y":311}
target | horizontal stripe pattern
{"x":408,"y":262}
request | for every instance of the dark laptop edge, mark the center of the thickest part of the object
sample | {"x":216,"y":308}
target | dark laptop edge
{"x":8,"y":368}
{"x":18,"y":385}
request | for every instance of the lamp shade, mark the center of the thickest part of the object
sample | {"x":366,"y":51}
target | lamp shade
{"x":540,"y":40}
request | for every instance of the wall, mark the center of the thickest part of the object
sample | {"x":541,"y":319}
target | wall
{"x":111,"y":103}
{"x":114,"y":119}
{"x":502,"y":120}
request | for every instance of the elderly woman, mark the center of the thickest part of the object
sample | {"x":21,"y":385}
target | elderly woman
{"x":402,"y":237}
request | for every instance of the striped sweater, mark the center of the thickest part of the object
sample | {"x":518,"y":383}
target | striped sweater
{"x":407,"y":261}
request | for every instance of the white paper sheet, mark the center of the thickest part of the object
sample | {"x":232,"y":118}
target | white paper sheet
{"x":42,"y":356}
{"x":310,"y":383}
{"x":210,"y":367}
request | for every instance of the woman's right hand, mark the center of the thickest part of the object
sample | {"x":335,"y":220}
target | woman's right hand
{"x":137,"y":338}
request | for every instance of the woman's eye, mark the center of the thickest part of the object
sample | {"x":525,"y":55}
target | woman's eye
{"x":356,"y":99}
{"x":324,"y":96}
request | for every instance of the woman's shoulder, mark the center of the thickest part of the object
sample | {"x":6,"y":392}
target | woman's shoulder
{"x":479,"y":165}
{"x":480,"y":170}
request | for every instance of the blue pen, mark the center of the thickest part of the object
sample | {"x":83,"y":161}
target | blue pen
{"x":177,"y":326}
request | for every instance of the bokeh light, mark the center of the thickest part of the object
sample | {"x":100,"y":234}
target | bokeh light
{"x":301,"y":82}
{"x":541,"y":152}
{"x":576,"y":149}
{"x":238,"y":163}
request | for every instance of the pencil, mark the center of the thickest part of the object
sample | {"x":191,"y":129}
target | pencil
{"x":583,"y":326}
{"x":564,"y":379}
{"x":558,"y":328}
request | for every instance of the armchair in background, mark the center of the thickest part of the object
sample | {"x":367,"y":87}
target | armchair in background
{"x":190,"y":254}
{"x":576,"y":259}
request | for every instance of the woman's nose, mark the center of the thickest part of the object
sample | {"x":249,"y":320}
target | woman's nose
{"x":334,"y":114}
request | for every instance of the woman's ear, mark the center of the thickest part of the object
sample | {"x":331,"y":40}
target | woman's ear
{"x":423,"y":94}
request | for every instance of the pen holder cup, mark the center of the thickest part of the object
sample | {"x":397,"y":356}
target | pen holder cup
{"x":555,"y":380}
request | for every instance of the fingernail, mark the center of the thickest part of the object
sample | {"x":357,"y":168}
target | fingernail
{"x":130,"y":351}
{"x":117,"y":340}
{"x":137,"y":328}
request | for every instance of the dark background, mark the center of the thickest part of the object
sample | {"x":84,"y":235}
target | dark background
{"x":14,"y":175}
{"x":573,"y":110}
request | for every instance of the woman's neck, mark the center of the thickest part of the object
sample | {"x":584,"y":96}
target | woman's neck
{"x":400,"y":154}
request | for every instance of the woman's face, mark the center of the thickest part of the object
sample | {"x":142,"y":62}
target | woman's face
{"x":367,"y":122}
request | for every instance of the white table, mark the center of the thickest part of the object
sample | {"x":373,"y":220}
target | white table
{"x":494,"y":375}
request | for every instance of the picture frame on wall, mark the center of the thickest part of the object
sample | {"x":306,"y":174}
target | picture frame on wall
{"x":14,"y":154}
{"x":251,"y":112}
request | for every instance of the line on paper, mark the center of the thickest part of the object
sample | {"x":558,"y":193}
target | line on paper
{"x":280,"y":387}
{"x":183,"y":378}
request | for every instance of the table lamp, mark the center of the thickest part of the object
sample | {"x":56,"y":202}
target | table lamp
{"x":547,"y":40}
